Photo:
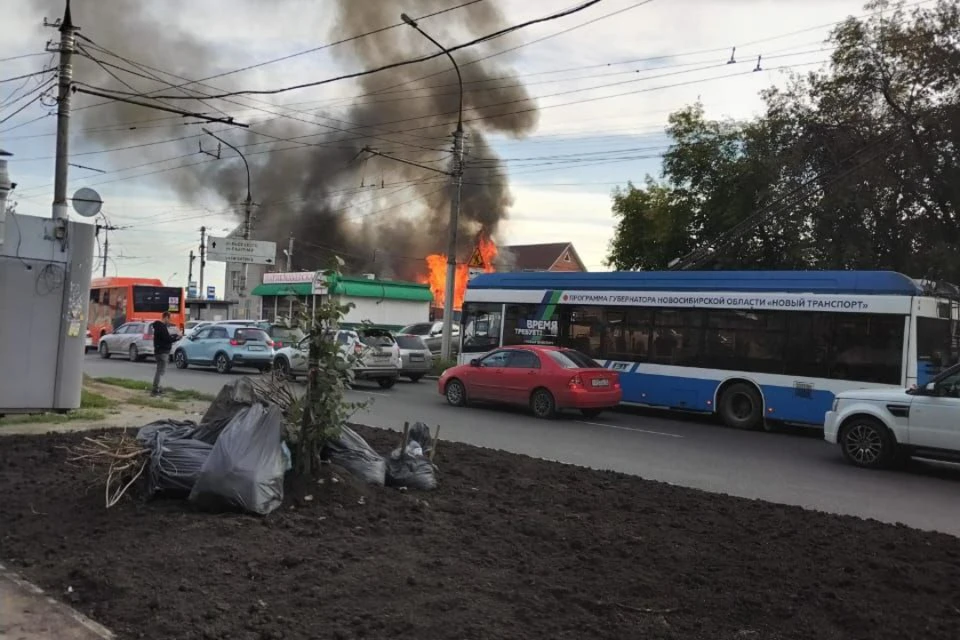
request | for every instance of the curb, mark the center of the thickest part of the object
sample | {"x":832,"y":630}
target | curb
{"x":97,"y":630}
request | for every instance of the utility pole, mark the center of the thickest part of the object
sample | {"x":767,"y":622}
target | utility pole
{"x":106,"y":227}
{"x":190,"y":271}
{"x":289,"y":253}
{"x":449,"y":288}
{"x":67,"y":42}
{"x":203,"y":263}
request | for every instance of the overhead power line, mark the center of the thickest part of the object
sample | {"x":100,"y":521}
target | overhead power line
{"x":26,"y":75}
{"x":386,"y":67}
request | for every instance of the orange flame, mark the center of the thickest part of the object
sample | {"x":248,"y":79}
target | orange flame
{"x":436,"y":275}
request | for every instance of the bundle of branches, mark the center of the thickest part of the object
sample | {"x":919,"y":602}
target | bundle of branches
{"x":270,"y":389}
{"x":120,"y":459}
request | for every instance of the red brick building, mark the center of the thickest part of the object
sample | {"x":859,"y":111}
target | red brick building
{"x":554,"y":256}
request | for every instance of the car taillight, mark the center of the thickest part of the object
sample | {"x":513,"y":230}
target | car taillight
{"x":357,"y":349}
{"x":269,"y":343}
{"x":277,"y":344}
{"x":147,"y":336}
{"x":234,"y":342}
{"x":575,"y":382}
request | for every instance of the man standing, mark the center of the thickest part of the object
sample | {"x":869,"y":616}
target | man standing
{"x":162,"y":342}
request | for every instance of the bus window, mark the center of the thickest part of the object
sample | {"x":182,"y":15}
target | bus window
{"x":809,"y":340}
{"x":627,"y":337}
{"x":869,"y":348}
{"x":677,"y":336}
{"x":744,"y":340}
{"x":933,"y":343}
{"x":583,"y":330}
{"x":481,"y":327}
{"x":527,"y":324}
{"x":147,"y":299}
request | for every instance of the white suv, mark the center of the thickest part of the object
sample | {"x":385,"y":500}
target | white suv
{"x":877,"y":427}
{"x":377,"y":356}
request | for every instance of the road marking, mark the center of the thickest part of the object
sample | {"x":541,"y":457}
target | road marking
{"x":619,"y":428}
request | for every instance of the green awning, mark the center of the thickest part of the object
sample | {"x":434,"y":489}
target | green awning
{"x":295,"y":289}
{"x":385,"y":289}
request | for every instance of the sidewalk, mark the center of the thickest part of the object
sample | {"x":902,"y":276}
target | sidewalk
{"x":27,"y":613}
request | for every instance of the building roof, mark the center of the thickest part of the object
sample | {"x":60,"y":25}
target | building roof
{"x":826,"y":282}
{"x":353,"y":287}
{"x":540,"y":257}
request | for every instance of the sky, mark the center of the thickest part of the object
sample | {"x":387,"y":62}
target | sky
{"x":605,"y":81}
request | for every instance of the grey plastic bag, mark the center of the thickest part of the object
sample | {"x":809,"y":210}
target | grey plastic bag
{"x":412,"y":470}
{"x":229,"y":402}
{"x":352,"y":452}
{"x":175,"y":457}
{"x":246,"y":466}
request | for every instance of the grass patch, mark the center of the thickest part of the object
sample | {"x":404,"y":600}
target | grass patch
{"x":175,"y":395}
{"x":154,"y":403}
{"x":54,"y":418}
{"x":440,"y":365}
{"x":125,"y":383}
{"x":93,"y":400}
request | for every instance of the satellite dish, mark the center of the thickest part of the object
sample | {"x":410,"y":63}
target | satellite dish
{"x":87,"y":202}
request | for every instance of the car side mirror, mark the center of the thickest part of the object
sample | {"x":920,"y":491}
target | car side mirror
{"x":475,"y":363}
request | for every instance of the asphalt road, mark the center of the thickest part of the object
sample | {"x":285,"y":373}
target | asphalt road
{"x":789,"y":467}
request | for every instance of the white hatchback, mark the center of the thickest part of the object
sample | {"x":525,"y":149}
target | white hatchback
{"x":878,"y":427}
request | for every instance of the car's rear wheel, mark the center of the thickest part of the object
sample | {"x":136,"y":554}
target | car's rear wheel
{"x":222,"y":363}
{"x":591,"y":413}
{"x":741,"y":406}
{"x":543,"y":404}
{"x":180,"y":359}
{"x":281,"y":369}
{"x":134,"y":354}
{"x":867,"y":443}
{"x":456,"y":393}
{"x":415,"y":378}
{"x":386,"y":383}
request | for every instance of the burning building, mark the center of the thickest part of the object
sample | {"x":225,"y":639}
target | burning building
{"x":309,"y":177}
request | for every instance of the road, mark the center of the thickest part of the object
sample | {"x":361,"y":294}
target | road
{"x":790,"y":467}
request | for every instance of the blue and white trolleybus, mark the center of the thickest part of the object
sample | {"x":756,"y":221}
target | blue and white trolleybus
{"x":751,"y":346}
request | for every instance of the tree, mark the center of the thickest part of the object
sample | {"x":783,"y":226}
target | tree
{"x":856,"y":166}
{"x":329,"y":374}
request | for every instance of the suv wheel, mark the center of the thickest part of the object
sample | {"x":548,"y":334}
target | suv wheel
{"x":867,"y":443}
{"x":386,"y":383}
{"x":180,"y":359}
{"x":222,"y":362}
{"x":104,"y":350}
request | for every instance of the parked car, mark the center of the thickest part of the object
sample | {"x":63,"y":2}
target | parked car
{"x":416,"y":360}
{"x":224,"y":346}
{"x":876,"y":428}
{"x":432,"y":335}
{"x":88,"y":344}
{"x":546,"y":379}
{"x":284,"y":336}
{"x":133,"y":339}
{"x":375,"y":352}
{"x":192,"y":326}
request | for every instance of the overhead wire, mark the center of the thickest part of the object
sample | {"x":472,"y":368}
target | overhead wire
{"x":393,"y":65}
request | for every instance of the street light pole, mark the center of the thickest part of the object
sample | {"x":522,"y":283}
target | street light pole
{"x":247,"y":210}
{"x":457,"y":175}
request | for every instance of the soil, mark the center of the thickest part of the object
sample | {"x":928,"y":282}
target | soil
{"x":508,"y":547}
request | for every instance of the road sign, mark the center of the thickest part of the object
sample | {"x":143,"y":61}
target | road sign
{"x":211,"y":293}
{"x":240,"y":250}
{"x":476,"y":260}
{"x":192,"y":289}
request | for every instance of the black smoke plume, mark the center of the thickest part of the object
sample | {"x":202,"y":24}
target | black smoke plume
{"x":377,"y":214}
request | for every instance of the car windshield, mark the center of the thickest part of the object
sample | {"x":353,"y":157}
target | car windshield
{"x":245,"y":335}
{"x":411,"y":342}
{"x":418,"y":329}
{"x":570,"y":359}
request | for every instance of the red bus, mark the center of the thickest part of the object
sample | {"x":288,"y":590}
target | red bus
{"x":115,"y":301}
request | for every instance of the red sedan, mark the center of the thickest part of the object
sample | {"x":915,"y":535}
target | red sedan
{"x":547,"y":379}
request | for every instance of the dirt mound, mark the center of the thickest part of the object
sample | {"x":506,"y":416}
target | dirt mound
{"x":508,"y":547}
